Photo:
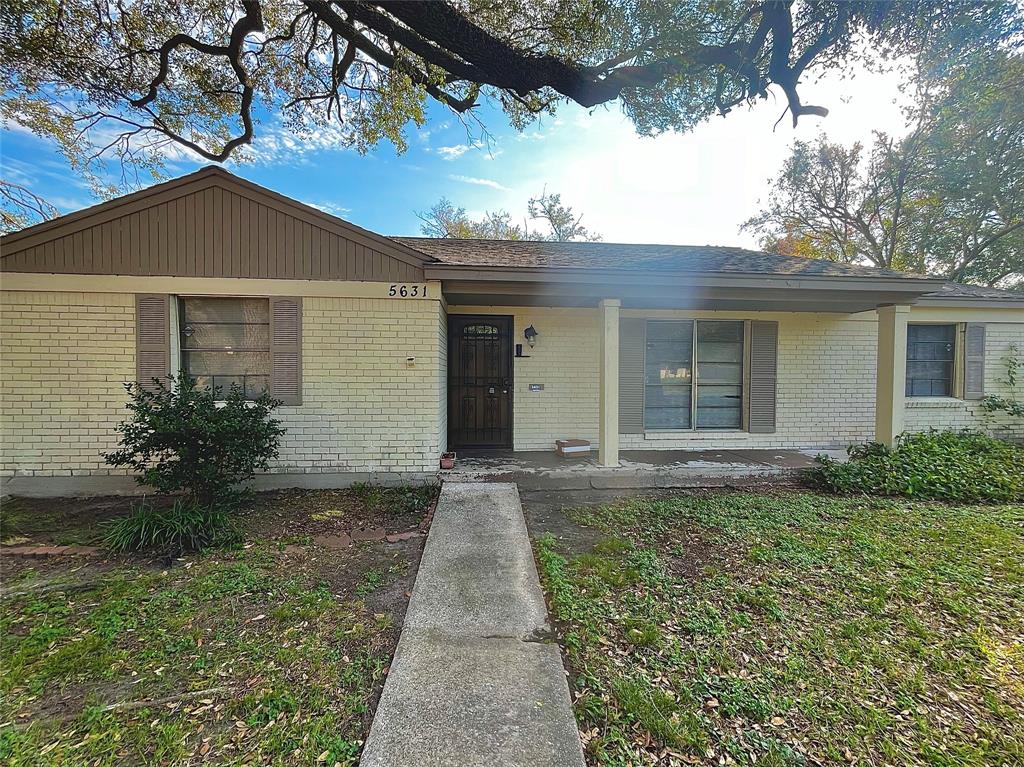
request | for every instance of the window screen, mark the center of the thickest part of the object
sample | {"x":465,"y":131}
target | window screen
{"x":226,"y":342}
{"x":930,"y":359}
{"x":677,"y":348}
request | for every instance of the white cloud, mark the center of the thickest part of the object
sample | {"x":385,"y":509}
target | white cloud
{"x":490,"y":183}
{"x":456,"y":151}
{"x":330,"y":207}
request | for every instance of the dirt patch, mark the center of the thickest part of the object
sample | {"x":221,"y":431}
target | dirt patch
{"x":545,"y":512}
{"x":688,"y":550}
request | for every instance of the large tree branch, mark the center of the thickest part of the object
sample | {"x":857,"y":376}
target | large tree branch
{"x":251,"y":21}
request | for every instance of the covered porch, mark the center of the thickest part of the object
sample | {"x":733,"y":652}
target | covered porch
{"x":823,"y":365}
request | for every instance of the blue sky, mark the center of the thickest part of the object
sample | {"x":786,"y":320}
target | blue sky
{"x":693,"y":188}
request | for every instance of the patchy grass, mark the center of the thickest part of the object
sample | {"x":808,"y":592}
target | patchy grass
{"x":793,"y":629}
{"x":274,"y":653}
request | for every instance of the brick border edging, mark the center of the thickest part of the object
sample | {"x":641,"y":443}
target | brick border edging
{"x":43,"y":552}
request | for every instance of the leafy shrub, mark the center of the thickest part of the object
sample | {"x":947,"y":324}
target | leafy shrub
{"x":946,"y":465}
{"x":202,"y":442}
{"x":184,"y":526}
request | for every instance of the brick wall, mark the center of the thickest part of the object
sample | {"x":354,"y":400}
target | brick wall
{"x":63,"y":360}
{"x":65,"y":357}
{"x":825,"y":392}
{"x":826,"y":384}
{"x":365,"y":408}
{"x":565,"y":361}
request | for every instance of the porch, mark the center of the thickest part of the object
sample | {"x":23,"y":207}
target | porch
{"x":546,"y":470}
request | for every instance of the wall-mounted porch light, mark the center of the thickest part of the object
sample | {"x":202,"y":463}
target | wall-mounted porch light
{"x":530,"y":334}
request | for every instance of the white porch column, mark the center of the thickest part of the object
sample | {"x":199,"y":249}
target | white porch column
{"x":608,"y":447}
{"x":891,"y":374}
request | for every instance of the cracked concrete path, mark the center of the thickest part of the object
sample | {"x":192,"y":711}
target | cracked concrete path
{"x":477,"y":680}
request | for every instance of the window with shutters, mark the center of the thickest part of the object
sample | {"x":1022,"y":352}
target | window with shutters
{"x":931,"y":360}
{"x":225,"y":342}
{"x":693,"y":374}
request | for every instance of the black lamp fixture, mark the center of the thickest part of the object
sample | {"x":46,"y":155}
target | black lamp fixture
{"x":530,"y":334}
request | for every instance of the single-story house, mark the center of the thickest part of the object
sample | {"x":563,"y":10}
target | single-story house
{"x":389,"y":351}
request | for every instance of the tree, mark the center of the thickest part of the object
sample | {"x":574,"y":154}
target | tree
{"x":562,"y":223}
{"x":947,"y":198}
{"x":445,"y":220}
{"x":126,"y":79}
{"x":19,"y":207}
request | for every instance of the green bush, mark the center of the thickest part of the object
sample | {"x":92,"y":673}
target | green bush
{"x":945,"y":465}
{"x":204,"y":443}
{"x":184,"y":526}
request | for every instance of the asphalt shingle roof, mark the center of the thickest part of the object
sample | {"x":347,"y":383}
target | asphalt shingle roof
{"x":610,"y":255}
{"x":956,"y":290}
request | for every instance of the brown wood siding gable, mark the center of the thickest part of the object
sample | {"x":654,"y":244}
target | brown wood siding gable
{"x":213,"y":227}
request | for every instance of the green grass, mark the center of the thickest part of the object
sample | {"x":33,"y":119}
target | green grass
{"x":290,"y":668}
{"x":795,"y":629}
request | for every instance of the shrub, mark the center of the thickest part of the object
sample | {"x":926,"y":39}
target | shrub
{"x":202,"y":442}
{"x":947,"y":465}
{"x":184,"y":526}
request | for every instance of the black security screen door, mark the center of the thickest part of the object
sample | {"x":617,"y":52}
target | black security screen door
{"x":479,"y":381}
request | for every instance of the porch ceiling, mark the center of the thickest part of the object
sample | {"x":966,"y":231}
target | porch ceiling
{"x":579,"y":288}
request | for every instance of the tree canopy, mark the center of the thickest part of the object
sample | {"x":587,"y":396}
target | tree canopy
{"x":125,"y":79}
{"x":947,"y":198}
{"x":559,"y":223}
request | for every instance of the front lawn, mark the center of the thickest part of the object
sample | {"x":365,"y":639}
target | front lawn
{"x":273,"y":653}
{"x":792,"y":629}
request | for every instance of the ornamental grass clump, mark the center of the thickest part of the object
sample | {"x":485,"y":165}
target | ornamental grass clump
{"x":202,"y":444}
{"x":943,"y":465}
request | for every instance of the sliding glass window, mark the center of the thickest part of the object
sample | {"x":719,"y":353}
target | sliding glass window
{"x":668,"y":375}
{"x":677,"y":348}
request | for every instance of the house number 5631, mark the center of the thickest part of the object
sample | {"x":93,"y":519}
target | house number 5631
{"x":407,"y":291}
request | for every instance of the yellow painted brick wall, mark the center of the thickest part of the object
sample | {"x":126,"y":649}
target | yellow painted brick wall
{"x":365,"y":408}
{"x":825,"y":391}
{"x":826,"y":383}
{"x":63,"y":360}
{"x":565,"y":361}
{"x":65,"y":357}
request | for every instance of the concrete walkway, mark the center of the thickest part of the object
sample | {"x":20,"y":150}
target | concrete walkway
{"x":476,"y":680}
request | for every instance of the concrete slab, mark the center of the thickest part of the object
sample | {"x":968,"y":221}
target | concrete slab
{"x":471,"y":702}
{"x":638,"y":469}
{"x":476,"y":680}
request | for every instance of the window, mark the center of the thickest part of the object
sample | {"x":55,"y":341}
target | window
{"x":682,"y":355}
{"x":719,"y":375}
{"x":931,"y":355}
{"x":225,"y":342}
{"x":668,"y":375}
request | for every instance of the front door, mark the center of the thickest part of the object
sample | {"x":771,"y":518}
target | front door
{"x":479,"y":381}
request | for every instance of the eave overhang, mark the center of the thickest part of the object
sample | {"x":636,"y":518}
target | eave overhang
{"x":518,"y":286}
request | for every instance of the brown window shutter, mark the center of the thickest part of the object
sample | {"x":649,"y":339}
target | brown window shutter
{"x":974,"y":361}
{"x":152,"y":339}
{"x":286,"y":350}
{"x":632,"y":343}
{"x":761,"y":381}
